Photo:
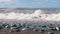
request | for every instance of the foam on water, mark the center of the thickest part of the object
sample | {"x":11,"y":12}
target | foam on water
{"x":37,"y":15}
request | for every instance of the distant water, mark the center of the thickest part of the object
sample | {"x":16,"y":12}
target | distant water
{"x":35,"y":15}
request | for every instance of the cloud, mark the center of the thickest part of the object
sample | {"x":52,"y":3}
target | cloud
{"x":6,"y":0}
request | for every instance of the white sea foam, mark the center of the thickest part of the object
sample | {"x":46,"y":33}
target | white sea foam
{"x":38,"y":14}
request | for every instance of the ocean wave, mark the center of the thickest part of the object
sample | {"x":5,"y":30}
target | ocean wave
{"x":37,"y":15}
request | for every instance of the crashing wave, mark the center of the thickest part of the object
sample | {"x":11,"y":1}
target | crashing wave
{"x":37,"y":15}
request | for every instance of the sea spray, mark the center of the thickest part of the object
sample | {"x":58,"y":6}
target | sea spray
{"x":37,"y":15}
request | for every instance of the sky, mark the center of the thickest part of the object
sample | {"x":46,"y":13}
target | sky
{"x":29,"y":3}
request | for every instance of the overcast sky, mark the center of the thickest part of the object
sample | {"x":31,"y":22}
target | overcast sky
{"x":30,"y":3}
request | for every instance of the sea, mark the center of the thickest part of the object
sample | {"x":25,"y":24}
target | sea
{"x":30,"y":15}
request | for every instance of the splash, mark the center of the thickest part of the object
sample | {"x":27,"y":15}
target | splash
{"x":37,"y":15}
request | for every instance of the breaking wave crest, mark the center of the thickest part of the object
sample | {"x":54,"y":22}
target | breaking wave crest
{"x":37,"y":15}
